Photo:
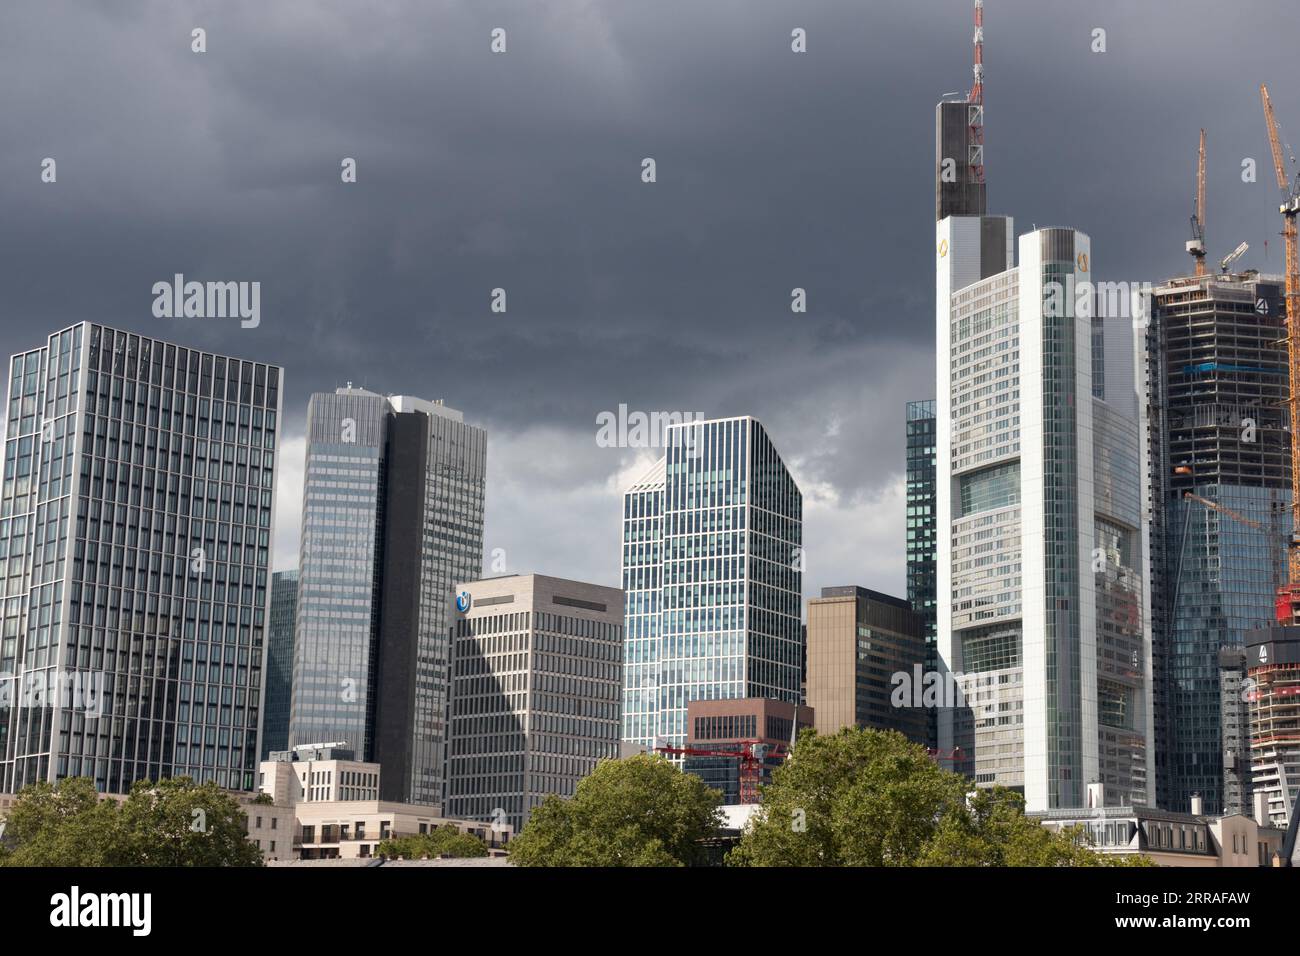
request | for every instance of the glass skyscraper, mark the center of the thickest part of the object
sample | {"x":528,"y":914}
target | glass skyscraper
{"x":279,"y":662}
{"x":135,"y":520}
{"x":392,"y":518}
{"x":921,"y":544}
{"x":1217,"y":367}
{"x":713,"y":573}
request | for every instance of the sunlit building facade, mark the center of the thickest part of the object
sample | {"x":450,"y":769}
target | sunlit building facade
{"x":713,"y":572}
{"x":1043,"y":615}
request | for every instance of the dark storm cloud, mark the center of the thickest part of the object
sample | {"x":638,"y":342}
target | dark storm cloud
{"x":522,"y":171}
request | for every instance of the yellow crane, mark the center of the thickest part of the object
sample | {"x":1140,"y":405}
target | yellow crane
{"x":1288,"y":598}
{"x":1197,"y":245}
{"x":1215,"y":506}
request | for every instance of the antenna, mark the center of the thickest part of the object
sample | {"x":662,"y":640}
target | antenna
{"x":977,"y":91}
{"x":975,"y":101}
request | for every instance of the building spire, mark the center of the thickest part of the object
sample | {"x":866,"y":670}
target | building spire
{"x":975,"y":101}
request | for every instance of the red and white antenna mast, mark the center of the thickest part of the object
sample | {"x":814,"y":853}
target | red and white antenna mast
{"x":975,"y":101}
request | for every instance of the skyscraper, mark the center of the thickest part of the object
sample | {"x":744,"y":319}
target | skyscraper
{"x":537,"y":673}
{"x":713,"y":572}
{"x":279,"y":662}
{"x":137,"y":511}
{"x":1042,"y":605}
{"x":858,"y":641}
{"x":392,"y":519}
{"x":1220,"y":471}
{"x":921,"y":543}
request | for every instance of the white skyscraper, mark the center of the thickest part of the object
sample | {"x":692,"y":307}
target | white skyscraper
{"x":1042,"y":605}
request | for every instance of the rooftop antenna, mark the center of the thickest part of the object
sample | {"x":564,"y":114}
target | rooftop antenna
{"x":975,"y":100}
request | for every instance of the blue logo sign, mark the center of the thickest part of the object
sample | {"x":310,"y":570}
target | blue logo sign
{"x":463,"y":601}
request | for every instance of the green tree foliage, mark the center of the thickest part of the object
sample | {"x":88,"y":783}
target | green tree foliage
{"x":171,"y":823}
{"x":64,"y":824}
{"x":178,"y":822}
{"x":641,"y":811}
{"x":441,"y":841}
{"x":872,"y":798}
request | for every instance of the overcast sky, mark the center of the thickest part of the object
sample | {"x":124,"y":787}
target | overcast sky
{"x":522,"y":171}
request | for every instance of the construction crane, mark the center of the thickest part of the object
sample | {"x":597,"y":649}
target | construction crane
{"x":1197,"y":244}
{"x":1288,"y":598}
{"x":751,"y":754}
{"x":1232,"y":257}
{"x":1215,"y":506}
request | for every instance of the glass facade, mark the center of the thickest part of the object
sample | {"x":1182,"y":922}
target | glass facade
{"x":279,"y":662}
{"x":337,"y":614}
{"x":922,"y":510}
{"x":392,"y":518}
{"x":712,"y":570}
{"x":1218,"y":371}
{"x":136,"y":520}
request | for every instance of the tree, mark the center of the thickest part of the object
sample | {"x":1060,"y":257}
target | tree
{"x":178,"y":822}
{"x":872,"y":798}
{"x":63,"y":824}
{"x":641,"y":811}
{"x":441,"y":841}
{"x":172,"y":823}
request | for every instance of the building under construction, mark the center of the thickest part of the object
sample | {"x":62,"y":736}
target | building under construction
{"x":1272,"y":698}
{"x":1219,"y":460}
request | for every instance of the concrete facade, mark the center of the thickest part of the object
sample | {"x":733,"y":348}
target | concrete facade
{"x":858,"y":640}
{"x":536,"y":677}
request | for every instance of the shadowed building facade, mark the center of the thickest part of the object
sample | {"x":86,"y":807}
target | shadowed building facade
{"x":136,"y":516}
{"x":392,"y":519}
{"x":858,"y":640}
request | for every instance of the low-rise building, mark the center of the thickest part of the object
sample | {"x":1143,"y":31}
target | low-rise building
{"x":1168,"y":838}
{"x":758,"y":731}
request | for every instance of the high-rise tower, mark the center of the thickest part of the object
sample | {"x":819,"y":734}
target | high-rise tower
{"x":392,"y":519}
{"x":713,"y":571}
{"x":137,"y":513}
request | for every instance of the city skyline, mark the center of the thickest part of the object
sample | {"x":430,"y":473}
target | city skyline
{"x":574,"y":243}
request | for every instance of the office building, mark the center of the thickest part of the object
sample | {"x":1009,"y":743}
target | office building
{"x":922,"y":546}
{"x":326,"y":806}
{"x":713,"y":571}
{"x":314,"y":773}
{"x":1167,"y":838}
{"x":392,"y":518}
{"x":864,"y":649}
{"x":1042,"y":604}
{"x":136,"y":514}
{"x":536,"y":675}
{"x":1273,"y":700}
{"x":1220,"y":473}
{"x":279,"y":662}
{"x":759,"y":732}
